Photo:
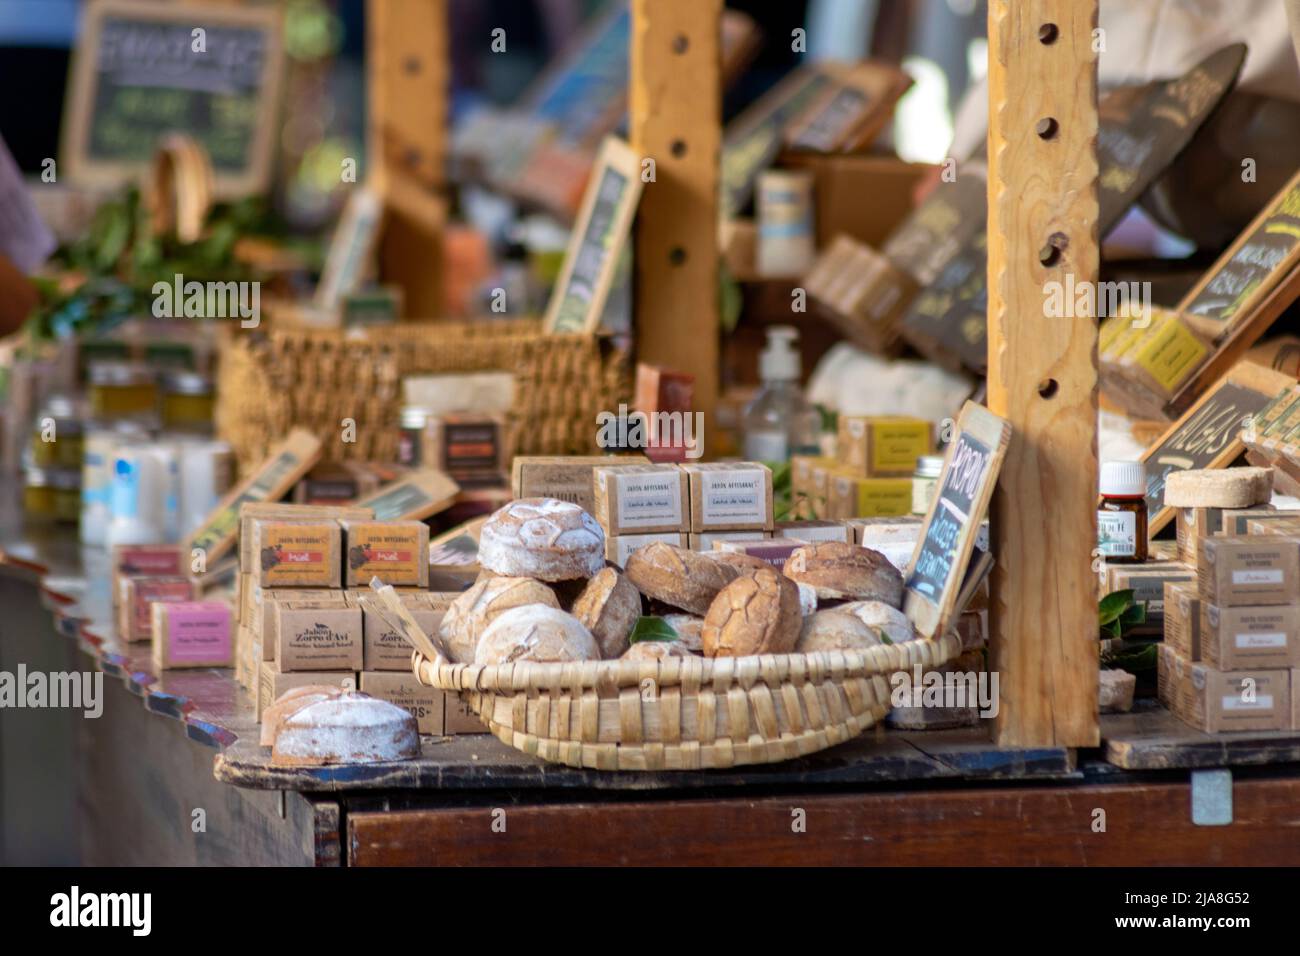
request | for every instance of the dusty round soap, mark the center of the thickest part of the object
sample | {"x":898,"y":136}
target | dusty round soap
{"x":542,"y":538}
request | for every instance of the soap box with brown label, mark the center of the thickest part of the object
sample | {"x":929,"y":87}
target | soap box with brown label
{"x":311,"y":637}
{"x":1260,"y":637}
{"x":273,"y":682}
{"x":306,"y":554}
{"x":730,"y":496}
{"x":641,"y":499}
{"x":139,"y":594}
{"x":1147,"y":581}
{"x":262,"y":622}
{"x":384,"y":649}
{"x":396,"y":552}
{"x":775,"y":551}
{"x":426,"y":704}
{"x":1249,"y":569}
{"x":145,"y":561}
{"x":1182,"y":611}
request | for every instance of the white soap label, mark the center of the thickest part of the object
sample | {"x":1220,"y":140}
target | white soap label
{"x":1251,"y":640}
{"x":1261,"y":702}
{"x":733,"y":497}
{"x":649,"y":500}
{"x":624,"y":545}
{"x":1268,"y":576}
{"x":1117,"y":533}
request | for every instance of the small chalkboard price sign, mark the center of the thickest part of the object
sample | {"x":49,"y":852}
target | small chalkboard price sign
{"x":143,"y":70}
{"x":598,"y":237}
{"x":938,"y":567}
{"x":1209,"y":434}
{"x":1250,"y":269}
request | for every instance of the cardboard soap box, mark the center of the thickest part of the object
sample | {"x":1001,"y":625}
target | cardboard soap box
{"x":565,"y":478}
{"x":1254,"y":570}
{"x":384,"y":648}
{"x":298,"y":553}
{"x":272,"y":682}
{"x":1240,"y":700}
{"x":396,"y":552}
{"x":460,"y":719}
{"x":619,"y":547}
{"x":426,"y":704}
{"x":641,"y":499}
{"x":1259,"y":637}
{"x":313,"y":637}
{"x":1183,"y":619}
{"x":730,"y":496}
{"x":882,"y":447}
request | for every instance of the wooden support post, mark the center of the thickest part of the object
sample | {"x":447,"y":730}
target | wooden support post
{"x":1042,"y":377}
{"x":408,"y":73}
{"x":675,"y":103}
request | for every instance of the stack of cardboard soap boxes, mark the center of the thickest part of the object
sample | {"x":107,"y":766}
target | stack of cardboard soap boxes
{"x":871,"y":474}
{"x":303,"y":573}
{"x":1231,"y":651}
{"x":690,"y":506}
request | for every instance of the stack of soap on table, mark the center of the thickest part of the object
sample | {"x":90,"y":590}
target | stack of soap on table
{"x":303,"y":573}
{"x":1231,"y":651}
{"x":871,"y":474}
{"x":156,"y":599}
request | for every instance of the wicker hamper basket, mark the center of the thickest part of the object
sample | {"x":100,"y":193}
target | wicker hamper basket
{"x":684,"y":713}
{"x":272,"y":380}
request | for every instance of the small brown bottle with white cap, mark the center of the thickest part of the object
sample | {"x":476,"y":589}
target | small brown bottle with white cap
{"x":1122,"y":514}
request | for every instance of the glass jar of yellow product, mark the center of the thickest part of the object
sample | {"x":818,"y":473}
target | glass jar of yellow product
{"x":67,"y":495}
{"x":38,"y":495}
{"x":188,"y":401}
{"x":120,"y":390}
{"x":57,"y":434}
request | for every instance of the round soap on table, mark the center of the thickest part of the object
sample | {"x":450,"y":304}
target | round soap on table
{"x":1219,"y":488}
{"x":349,"y":728}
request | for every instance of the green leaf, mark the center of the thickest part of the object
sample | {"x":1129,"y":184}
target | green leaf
{"x":1137,"y":614}
{"x":1113,"y":605}
{"x":652,"y":629}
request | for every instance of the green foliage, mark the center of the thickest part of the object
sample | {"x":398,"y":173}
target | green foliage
{"x":1117,"y":611}
{"x":652,"y":629}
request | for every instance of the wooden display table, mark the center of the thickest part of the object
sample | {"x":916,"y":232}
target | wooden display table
{"x":125,"y":788}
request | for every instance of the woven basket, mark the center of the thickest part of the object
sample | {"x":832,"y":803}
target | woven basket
{"x":270,"y":381}
{"x":684,"y":713}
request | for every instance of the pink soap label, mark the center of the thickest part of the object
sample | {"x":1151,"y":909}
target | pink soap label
{"x":198,"y":631}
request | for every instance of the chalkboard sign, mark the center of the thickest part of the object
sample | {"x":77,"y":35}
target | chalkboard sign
{"x":143,"y":70}
{"x":938,"y":567}
{"x":598,"y":237}
{"x":1141,"y":130}
{"x":1209,"y":434}
{"x":942,"y":225}
{"x":849,"y":116}
{"x":1250,"y":269}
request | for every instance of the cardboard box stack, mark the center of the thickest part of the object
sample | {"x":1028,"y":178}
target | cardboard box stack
{"x":871,"y":475}
{"x":692,"y":506}
{"x":303,"y":573}
{"x":1232,"y":635}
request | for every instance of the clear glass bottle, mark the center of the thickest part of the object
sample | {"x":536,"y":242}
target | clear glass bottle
{"x":780,"y":422}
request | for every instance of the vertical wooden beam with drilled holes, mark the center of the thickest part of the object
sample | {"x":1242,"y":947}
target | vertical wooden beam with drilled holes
{"x":1042,"y":376}
{"x":675,"y":105}
{"x":408,"y":74}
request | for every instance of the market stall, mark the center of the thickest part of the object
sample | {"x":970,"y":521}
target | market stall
{"x":380,"y":569}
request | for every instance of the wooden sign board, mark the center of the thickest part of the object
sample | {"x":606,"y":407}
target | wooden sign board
{"x":287,"y":462}
{"x":942,"y":224}
{"x":413,"y":497}
{"x":937,"y":572}
{"x":848,"y":116}
{"x":141,"y":71}
{"x":351,"y":248}
{"x":598,"y":238}
{"x":1140,"y":132}
{"x":1229,"y":294}
{"x":1209,"y":434}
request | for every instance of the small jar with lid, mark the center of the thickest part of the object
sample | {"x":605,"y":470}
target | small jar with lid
{"x":1122,"y":514}
{"x":414,"y":419}
{"x":57,"y":434}
{"x":188,"y":401}
{"x":925,"y":480}
{"x":121,"y":390}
